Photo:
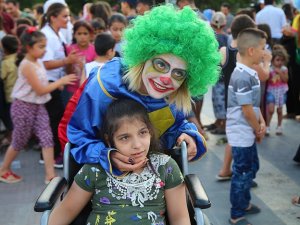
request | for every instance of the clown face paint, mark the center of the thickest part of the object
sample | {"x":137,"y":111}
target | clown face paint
{"x":163,"y":75}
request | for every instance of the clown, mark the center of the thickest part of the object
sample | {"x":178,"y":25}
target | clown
{"x":169,"y":56}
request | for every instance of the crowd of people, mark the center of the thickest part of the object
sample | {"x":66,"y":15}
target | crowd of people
{"x":63,"y":80}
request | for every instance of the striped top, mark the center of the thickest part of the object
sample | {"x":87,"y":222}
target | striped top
{"x":243,"y":89}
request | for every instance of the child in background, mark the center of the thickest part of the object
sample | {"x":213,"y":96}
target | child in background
{"x":139,"y":197}
{"x":218,"y":22}
{"x":116,"y":25}
{"x":277,"y":86}
{"x":245,"y":124}
{"x":10,"y":45}
{"x":104,"y":45}
{"x":98,"y":26}
{"x":82,"y":33}
{"x":28,"y":112}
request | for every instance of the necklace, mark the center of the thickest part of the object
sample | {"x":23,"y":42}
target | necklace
{"x":139,"y":188}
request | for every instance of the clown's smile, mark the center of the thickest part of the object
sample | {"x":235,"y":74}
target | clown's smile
{"x":160,"y":88}
{"x":163,"y":75}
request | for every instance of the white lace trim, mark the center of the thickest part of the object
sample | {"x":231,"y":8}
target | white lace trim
{"x":138,"y":187}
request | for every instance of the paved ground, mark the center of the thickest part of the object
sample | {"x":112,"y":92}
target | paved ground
{"x":278,"y":180}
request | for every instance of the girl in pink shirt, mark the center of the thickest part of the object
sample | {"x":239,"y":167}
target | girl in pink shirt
{"x":82,"y":33}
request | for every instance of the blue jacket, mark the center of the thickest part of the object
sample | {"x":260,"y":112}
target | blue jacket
{"x":104,"y":86}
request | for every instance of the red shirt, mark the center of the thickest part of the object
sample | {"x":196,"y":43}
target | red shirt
{"x":70,"y":108}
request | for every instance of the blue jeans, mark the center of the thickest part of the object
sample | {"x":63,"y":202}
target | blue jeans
{"x":244,"y":168}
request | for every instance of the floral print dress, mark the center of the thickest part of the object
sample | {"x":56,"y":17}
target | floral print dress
{"x":133,"y":198}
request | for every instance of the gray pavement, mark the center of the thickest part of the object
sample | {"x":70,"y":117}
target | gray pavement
{"x":278,"y":179}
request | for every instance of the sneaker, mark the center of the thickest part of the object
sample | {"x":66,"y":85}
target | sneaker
{"x":254,"y":184}
{"x":59,"y":162}
{"x":279,"y":130}
{"x":10,"y":178}
{"x":268,"y":131}
{"x":41,"y":161}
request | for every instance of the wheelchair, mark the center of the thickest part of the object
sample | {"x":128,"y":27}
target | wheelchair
{"x":58,"y":187}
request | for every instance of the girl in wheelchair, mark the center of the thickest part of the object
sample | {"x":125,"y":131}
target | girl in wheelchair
{"x":142,"y":196}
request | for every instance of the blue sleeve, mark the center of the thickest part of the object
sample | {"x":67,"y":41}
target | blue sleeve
{"x":183,"y":126}
{"x":84,"y":127}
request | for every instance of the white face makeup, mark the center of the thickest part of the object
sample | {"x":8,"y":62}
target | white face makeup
{"x":163,"y":75}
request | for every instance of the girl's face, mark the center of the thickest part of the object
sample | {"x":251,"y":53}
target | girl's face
{"x":116,"y":30}
{"x":278,"y":61}
{"x":38,"y":50}
{"x":62,"y":19}
{"x":163,"y":75}
{"x":132,"y":138}
{"x":82,"y":36}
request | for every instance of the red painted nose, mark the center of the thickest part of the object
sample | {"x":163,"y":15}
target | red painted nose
{"x":165,"y":80}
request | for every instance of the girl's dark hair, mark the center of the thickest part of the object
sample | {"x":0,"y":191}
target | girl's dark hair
{"x":28,"y":38}
{"x":10,"y":44}
{"x":117,"y":17}
{"x":39,"y":8}
{"x":288,"y":11}
{"x":98,"y":23}
{"x":103,"y":43}
{"x":81,"y":23}
{"x":54,"y":10}
{"x":21,"y":21}
{"x":1,"y":23}
{"x":101,"y":9}
{"x":121,"y":108}
{"x":239,"y":23}
{"x":246,"y":11}
{"x":266,"y":28}
{"x":20,"y":29}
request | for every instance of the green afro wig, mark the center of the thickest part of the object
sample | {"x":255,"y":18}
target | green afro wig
{"x":164,"y":30}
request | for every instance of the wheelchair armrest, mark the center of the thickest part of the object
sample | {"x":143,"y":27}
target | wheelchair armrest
{"x":196,"y":192}
{"x":50,"y":194}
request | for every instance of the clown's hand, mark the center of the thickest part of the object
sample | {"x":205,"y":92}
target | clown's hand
{"x":191,"y":145}
{"x":125,"y":163}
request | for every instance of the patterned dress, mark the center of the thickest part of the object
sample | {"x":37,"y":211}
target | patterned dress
{"x":133,"y":198}
{"x":276,"y":87}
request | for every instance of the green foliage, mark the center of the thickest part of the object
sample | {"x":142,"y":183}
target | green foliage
{"x":216,"y":4}
{"x":29,"y":3}
{"x":77,"y":5}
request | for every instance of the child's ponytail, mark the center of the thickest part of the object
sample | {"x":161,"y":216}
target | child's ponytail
{"x":20,"y":55}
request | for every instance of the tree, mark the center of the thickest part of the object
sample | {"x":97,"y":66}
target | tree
{"x":77,"y":5}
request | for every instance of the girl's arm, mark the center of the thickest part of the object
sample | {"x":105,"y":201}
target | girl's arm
{"x":71,"y":59}
{"x":284,"y":75}
{"x":30,"y":73}
{"x":70,"y":207}
{"x":177,"y":206}
{"x":83,"y":76}
{"x":263,"y":69}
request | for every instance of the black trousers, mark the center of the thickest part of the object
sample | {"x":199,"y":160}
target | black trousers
{"x":55,"y":110}
{"x":297,"y":156}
